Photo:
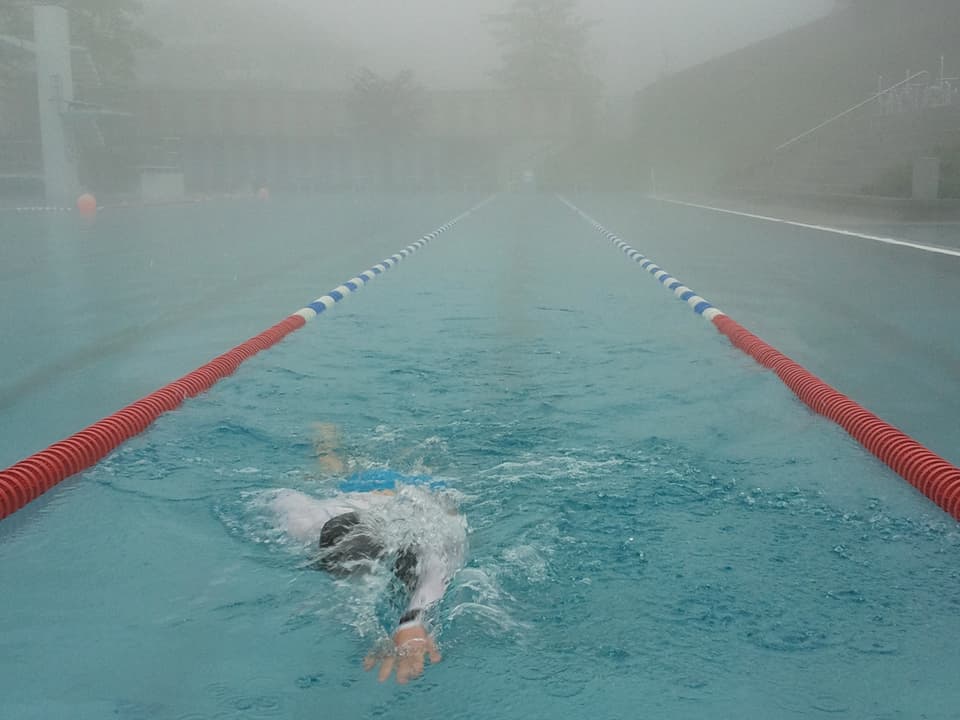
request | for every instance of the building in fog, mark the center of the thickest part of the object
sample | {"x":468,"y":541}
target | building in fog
{"x":231,"y":140}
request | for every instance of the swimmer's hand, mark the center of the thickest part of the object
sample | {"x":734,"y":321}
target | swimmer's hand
{"x":410,"y":644}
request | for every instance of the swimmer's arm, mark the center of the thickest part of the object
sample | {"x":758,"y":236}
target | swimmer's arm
{"x":412,"y":642}
{"x":433,"y":576}
{"x":303,"y":516}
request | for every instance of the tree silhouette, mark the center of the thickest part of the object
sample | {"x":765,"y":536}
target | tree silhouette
{"x":387,"y":108}
{"x":13,"y":23}
{"x":107,"y":28}
{"x":543,"y":44}
{"x":387,"y":114}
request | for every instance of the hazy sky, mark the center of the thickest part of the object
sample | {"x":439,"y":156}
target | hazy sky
{"x":447,"y":43}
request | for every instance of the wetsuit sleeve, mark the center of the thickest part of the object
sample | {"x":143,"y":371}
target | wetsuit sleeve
{"x":435,"y":569}
{"x":303,"y":516}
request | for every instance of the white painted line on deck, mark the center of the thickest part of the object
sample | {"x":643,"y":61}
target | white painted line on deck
{"x":822,"y":228}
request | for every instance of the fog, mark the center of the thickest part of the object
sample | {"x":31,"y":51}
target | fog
{"x":325,"y":95}
{"x":440,"y":237}
{"x":633,"y":40}
{"x":448,"y":44}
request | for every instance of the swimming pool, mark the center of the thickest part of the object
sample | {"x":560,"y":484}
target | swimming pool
{"x":658,"y":527}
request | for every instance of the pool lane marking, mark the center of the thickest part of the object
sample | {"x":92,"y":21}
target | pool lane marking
{"x":698,"y":304}
{"x":35,"y":209}
{"x":936,"y":478}
{"x":26,"y":480}
{"x":355,"y":284}
{"x":821,"y":228}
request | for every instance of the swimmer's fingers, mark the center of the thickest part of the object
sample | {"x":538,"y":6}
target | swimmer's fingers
{"x":408,"y":657}
{"x":407,"y":666}
{"x":413,"y":656}
{"x":410,"y":667}
{"x":435,"y":656}
{"x":386,"y":668}
{"x":379,"y":655}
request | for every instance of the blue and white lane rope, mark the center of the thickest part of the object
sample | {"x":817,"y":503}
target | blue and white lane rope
{"x":931,"y":474}
{"x":23,"y":482}
{"x":36,"y":209}
{"x":699,"y":305}
{"x":325,"y":302}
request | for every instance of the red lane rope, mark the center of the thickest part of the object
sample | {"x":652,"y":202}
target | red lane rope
{"x":30,"y":478}
{"x":925,"y":470}
{"x":928,"y":472}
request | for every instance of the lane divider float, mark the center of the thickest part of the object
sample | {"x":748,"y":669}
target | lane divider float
{"x":28,"y":479}
{"x":38,"y":209}
{"x":936,"y":478}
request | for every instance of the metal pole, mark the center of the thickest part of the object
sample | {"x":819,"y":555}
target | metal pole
{"x":51,"y":28}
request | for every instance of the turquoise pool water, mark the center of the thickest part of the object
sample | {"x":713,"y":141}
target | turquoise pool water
{"x":658,"y":528}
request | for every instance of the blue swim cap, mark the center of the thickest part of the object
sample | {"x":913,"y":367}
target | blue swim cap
{"x":386,"y":479}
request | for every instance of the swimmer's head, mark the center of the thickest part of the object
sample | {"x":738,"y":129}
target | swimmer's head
{"x":346,"y":547}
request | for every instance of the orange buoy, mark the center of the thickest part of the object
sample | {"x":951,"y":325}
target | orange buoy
{"x":87,"y":205}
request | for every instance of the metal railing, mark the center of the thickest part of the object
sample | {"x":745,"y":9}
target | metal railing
{"x":848,"y":111}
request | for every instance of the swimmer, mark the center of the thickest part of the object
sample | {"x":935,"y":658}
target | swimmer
{"x":357,"y":532}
